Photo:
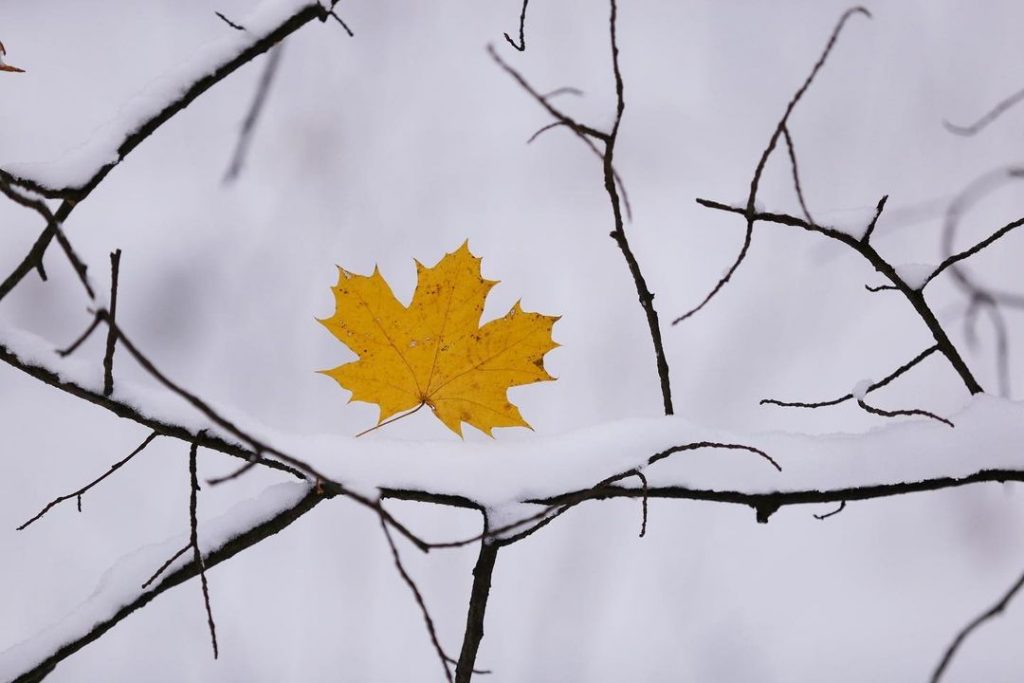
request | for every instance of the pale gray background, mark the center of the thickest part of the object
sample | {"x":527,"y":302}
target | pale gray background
{"x":401,"y":143}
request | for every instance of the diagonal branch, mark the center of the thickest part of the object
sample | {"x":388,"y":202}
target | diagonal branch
{"x":913,"y":295}
{"x":990,"y":613}
{"x":906,"y":367}
{"x":780,"y":128}
{"x":78,"y":494}
{"x":43,"y":662}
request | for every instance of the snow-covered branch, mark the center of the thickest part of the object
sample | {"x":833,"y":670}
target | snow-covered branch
{"x":77,"y":174}
{"x":120,"y":591}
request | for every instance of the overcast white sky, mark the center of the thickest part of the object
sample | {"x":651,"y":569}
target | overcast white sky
{"x":404,"y":141}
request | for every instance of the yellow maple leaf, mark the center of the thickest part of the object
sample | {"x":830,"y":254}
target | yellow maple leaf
{"x":434,"y":352}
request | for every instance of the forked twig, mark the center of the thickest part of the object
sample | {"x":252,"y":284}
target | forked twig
{"x":78,"y":494}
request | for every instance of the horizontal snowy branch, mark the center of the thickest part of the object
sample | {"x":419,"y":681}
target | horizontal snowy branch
{"x":898,"y":457}
{"x":80,"y":171}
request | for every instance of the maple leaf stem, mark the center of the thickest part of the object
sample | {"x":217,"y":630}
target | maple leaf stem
{"x":389,"y":421}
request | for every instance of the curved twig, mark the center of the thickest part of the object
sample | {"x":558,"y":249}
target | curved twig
{"x":755,"y":181}
{"x":993,"y":611}
{"x":990,"y":116}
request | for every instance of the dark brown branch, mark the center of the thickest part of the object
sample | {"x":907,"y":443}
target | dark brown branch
{"x":544,"y":517}
{"x":967,"y":253}
{"x":619,"y":234}
{"x":77,"y":494}
{"x":544,"y":129}
{"x":63,"y":353}
{"x":993,"y":114}
{"x":990,"y":613}
{"x":237,"y":27}
{"x":197,"y":555}
{"x":902,"y":413}
{"x":842,"y":506}
{"x":474,"y":632}
{"x":585,"y":132}
{"x":53,"y":225}
{"x":108,"y":357}
{"x":225,"y":551}
{"x":770,"y":502}
{"x":914,"y":296}
{"x":34,"y":258}
{"x":848,"y":397}
{"x":249,"y":449}
{"x":643,"y":502}
{"x":74,"y":195}
{"x":162,"y":568}
{"x":795,"y":167}
{"x":879,"y":208}
{"x":341,"y":22}
{"x":424,"y":612}
{"x":755,"y":181}
{"x":522,"y":28}
{"x":132,"y":139}
{"x":253,"y":115}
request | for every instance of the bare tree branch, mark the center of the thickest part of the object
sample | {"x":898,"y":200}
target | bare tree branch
{"x":914,"y":296}
{"x":522,"y":27}
{"x":108,"y":357}
{"x":755,"y":181}
{"x":222,"y":552}
{"x":849,"y":397}
{"x":989,"y":117}
{"x":990,"y":613}
{"x":78,"y":494}
{"x":255,"y":109}
{"x":197,"y":555}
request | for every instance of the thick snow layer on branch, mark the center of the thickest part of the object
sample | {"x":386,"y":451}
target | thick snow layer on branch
{"x":988,"y":434}
{"x":80,"y":165}
{"x":121,"y":584}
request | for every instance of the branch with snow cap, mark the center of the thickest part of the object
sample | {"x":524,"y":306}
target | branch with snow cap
{"x":120,"y":592}
{"x":76,"y":176}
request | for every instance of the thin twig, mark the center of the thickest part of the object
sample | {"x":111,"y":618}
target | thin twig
{"x":993,"y":611}
{"x":842,"y":506}
{"x":427,"y":619}
{"x":914,"y":296}
{"x":197,"y":555}
{"x":253,"y":115}
{"x":755,"y":181}
{"x":77,"y":494}
{"x":237,"y":27}
{"x":162,"y":568}
{"x":522,"y":27}
{"x":874,"y":219}
{"x":902,"y":413}
{"x":643,"y":481}
{"x":990,"y":116}
{"x":645,"y":295}
{"x":848,"y":397}
{"x":967,"y":253}
{"x":342,"y":23}
{"x":791,"y":149}
{"x":63,"y":353}
{"x":108,"y":357}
